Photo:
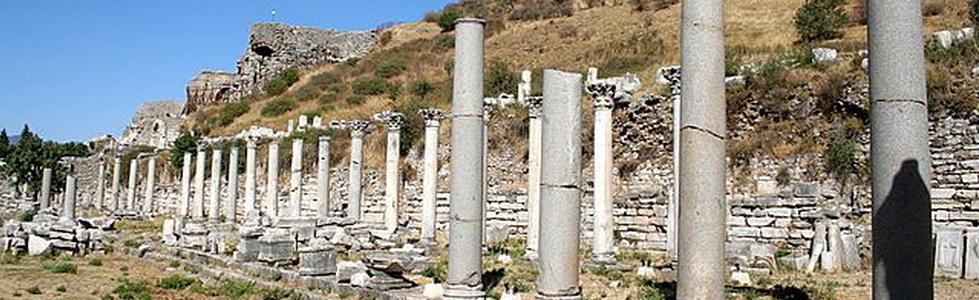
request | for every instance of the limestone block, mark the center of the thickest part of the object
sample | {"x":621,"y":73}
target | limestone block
{"x":824,"y":55}
{"x":972,"y":253}
{"x":760,"y":221}
{"x":37,"y":245}
{"x":779,"y":212}
{"x":970,"y":178}
{"x":346,"y":270}
{"x":774,"y":233}
{"x":317,"y":261}
{"x":433,"y":291}
{"x":948,"y":252}
{"x":943,"y":38}
{"x":942,"y":193}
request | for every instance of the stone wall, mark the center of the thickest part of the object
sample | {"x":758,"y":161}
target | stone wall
{"x":273,"y":48}
{"x":155,"y":124}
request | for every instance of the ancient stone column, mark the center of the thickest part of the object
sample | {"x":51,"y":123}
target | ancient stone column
{"x":100,"y":187}
{"x":250,"y":175}
{"x":673,"y":207}
{"x":533,"y":176}
{"x":231,"y":203}
{"x":324,"y":207}
{"x":296,"y":180}
{"x":358,"y":128}
{"x":45,"y":200}
{"x":150,"y":186}
{"x":214,"y":202}
{"x":603,"y":239}
{"x":430,"y":178}
{"x":900,"y":158}
{"x":466,"y":204}
{"x":116,"y":177}
{"x":184,"y":207}
{"x":487,"y":112}
{"x":392,"y":176}
{"x":271,"y":207}
{"x":703,"y":209}
{"x":131,"y":193}
{"x":69,"y":205}
{"x":560,"y":187}
{"x":198,"y":208}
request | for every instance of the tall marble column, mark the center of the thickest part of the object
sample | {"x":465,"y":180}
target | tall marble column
{"x":184,"y":207}
{"x":214,"y":202}
{"x":603,"y":240}
{"x":150,"y":186}
{"x":901,"y":163}
{"x":487,"y":112}
{"x":116,"y":177}
{"x":430,"y":178}
{"x":673,"y":207}
{"x":45,"y":200}
{"x":271,"y":207}
{"x":324,"y":207}
{"x":231,"y":203}
{"x":392,"y":175}
{"x":296,"y":180}
{"x":703,"y":131}
{"x":100,"y":186}
{"x":533,"y":176}
{"x":560,"y":187}
{"x":464,"y":280}
{"x":358,"y":128}
{"x":250,"y":175}
{"x":198,"y":208}
{"x":131,"y":193}
{"x":69,"y":205}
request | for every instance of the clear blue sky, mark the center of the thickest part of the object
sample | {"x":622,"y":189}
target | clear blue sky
{"x":74,"y":70}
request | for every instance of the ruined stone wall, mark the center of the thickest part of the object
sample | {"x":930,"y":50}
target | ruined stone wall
{"x":155,"y":124}
{"x":273,"y":48}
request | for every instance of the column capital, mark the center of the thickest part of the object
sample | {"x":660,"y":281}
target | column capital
{"x":602,"y":94}
{"x":391,"y":118}
{"x":251,"y":142}
{"x":433,"y":116}
{"x":534,"y":104}
{"x":359,"y":127}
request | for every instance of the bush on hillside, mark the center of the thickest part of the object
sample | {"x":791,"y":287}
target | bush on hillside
{"x":282,"y":82}
{"x":422,"y":88}
{"x":356,"y":99}
{"x":371,"y":86}
{"x":542,"y":10}
{"x":447,"y":20}
{"x":325,"y":79}
{"x":277,"y":108}
{"x":444,"y":42}
{"x":306,"y":93}
{"x":230,"y":112}
{"x":499,"y":79}
{"x":974,"y":13}
{"x":841,"y":157}
{"x":819,"y":20}
{"x":390,"y":68}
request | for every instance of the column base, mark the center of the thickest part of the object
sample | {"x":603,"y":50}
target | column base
{"x":463,"y":292}
{"x":603,"y":258}
{"x":530,"y":255}
{"x":561,"y":297}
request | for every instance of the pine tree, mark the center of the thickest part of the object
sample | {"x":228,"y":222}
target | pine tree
{"x":819,"y":20}
{"x":4,"y":144}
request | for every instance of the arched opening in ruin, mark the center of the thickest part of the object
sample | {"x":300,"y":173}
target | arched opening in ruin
{"x":263,"y":50}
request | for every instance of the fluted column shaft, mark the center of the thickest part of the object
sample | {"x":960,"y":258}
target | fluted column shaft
{"x":296,"y":179}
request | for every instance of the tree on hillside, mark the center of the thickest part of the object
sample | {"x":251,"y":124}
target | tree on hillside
{"x":4,"y":143}
{"x":186,"y":143}
{"x":974,"y":13}
{"x":819,"y":20}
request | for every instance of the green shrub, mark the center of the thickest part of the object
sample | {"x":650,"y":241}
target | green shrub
{"x":500,"y":79}
{"x":306,"y":93}
{"x":841,"y":157}
{"x":390,"y":68}
{"x":186,"y":143}
{"x":176,"y":282}
{"x":192,"y":269}
{"x":447,"y":20}
{"x":422,"y":88}
{"x":322,"y":80}
{"x":175,"y":264}
{"x":230,"y":112}
{"x":371,"y":86}
{"x":27,"y":215}
{"x":356,"y":99}
{"x":34,"y":290}
{"x":133,"y":290}
{"x":819,"y":20}
{"x":61,"y":267}
{"x":444,"y":42}
{"x":545,"y":9}
{"x":974,"y":13}
{"x":336,"y":88}
{"x":9,"y":259}
{"x":277,"y":108}
{"x":237,"y":289}
{"x":61,"y":289}
{"x":97,"y":262}
{"x":277,"y":293}
{"x":280,"y":83}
